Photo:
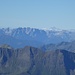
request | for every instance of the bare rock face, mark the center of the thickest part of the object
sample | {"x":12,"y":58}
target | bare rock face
{"x":32,"y":61}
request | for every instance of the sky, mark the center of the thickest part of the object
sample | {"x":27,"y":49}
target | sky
{"x":37,"y":13}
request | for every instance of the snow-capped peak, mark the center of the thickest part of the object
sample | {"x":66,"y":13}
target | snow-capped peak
{"x":7,"y":31}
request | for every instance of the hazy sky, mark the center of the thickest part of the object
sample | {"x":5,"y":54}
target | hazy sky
{"x":37,"y":13}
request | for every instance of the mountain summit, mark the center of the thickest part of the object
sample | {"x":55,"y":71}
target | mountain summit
{"x":20,"y":37}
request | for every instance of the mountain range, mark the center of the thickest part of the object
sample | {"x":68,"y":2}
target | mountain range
{"x":20,"y":37}
{"x":31,"y":51}
{"x":33,"y":61}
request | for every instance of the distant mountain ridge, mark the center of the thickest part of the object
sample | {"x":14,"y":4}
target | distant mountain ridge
{"x":69,"y":46}
{"x":20,"y":37}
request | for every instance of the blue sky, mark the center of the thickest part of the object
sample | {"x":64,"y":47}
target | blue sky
{"x":37,"y":13}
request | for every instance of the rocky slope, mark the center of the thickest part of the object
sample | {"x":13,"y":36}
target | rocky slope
{"x":32,"y":61}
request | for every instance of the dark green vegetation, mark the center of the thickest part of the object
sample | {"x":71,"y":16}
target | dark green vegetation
{"x":32,"y":61}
